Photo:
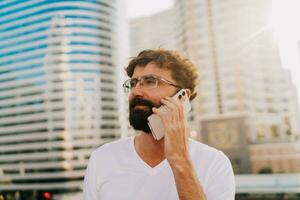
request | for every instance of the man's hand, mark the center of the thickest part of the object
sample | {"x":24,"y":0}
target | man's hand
{"x":176,"y":150}
{"x":176,"y":130}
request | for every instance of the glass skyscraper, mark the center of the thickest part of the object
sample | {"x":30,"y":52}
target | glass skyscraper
{"x":58,"y":93}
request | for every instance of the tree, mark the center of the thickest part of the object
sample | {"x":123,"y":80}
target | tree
{"x":265,"y":170}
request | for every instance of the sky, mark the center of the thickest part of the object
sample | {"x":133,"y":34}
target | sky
{"x":285,"y":21}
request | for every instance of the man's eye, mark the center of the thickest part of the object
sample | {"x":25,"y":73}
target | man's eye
{"x":150,"y":80}
{"x":133,"y":82}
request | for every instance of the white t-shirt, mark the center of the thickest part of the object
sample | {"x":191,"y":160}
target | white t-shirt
{"x":116,"y":172}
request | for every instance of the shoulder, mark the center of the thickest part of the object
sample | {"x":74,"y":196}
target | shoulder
{"x":207,"y":155}
{"x":197,"y":147}
{"x":114,"y":145}
{"x":111,"y":150}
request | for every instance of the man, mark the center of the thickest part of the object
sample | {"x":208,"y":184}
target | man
{"x":175,"y":167}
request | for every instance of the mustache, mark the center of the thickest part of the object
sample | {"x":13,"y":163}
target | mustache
{"x":142,"y":102}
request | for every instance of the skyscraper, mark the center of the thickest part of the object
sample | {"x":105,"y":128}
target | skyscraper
{"x":58,"y":93}
{"x":240,"y":68}
{"x":155,"y":31}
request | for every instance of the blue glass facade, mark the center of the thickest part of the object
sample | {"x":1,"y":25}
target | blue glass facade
{"x":58,"y":98}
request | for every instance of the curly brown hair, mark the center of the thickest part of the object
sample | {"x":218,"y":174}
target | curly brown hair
{"x":182,"y":69}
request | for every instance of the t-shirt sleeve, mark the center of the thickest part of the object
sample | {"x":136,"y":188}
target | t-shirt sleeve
{"x":221,"y":184}
{"x":90,"y":180}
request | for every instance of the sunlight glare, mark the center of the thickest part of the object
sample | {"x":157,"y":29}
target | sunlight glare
{"x":285,"y":20}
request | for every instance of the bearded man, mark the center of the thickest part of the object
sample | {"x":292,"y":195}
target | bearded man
{"x":172,"y":168}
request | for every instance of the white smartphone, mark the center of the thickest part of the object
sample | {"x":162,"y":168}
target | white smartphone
{"x":155,"y":123}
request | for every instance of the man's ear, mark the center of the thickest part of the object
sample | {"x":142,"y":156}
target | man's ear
{"x":189,"y":93}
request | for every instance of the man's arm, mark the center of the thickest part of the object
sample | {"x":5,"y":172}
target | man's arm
{"x":187,"y":183}
{"x":221,"y":181}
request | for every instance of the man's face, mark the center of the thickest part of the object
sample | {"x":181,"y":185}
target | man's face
{"x":142,"y":100}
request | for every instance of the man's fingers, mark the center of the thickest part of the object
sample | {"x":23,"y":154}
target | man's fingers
{"x":169,"y":104}
{"x":179,"y":106}
{"x":175,"y":101}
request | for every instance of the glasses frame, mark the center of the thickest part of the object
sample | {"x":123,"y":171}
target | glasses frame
{"x":128,"y":89}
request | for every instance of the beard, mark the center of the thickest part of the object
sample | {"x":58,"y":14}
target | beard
{"x":138,"y":116}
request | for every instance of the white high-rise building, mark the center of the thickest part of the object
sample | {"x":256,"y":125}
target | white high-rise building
{"x":240,"y":68}
{"x":152,"y":32}
{"x":58,"y":91}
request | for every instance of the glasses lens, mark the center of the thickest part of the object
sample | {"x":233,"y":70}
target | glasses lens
{"x":149,"y":81}
{"x":146,"y":82}
{"x":132,"y":83}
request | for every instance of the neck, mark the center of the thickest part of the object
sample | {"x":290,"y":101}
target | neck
{"x":149,"y":149}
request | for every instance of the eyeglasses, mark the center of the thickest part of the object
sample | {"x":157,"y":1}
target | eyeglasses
{"x":146,"y":82}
